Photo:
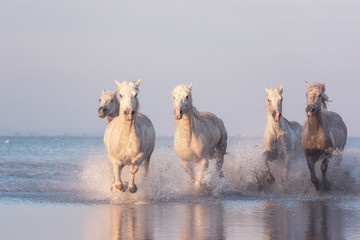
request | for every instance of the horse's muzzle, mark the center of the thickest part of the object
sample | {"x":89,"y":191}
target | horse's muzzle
{"x":129,"y":115}
{"x":310,"y":110}
{"x":101,"y":112}
{"x":276,"y":116}
{"x":178,"y":113}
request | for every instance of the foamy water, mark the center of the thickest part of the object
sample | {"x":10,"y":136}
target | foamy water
{"x":76,"y":169}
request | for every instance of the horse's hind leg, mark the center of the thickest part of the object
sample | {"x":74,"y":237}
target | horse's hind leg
{"x":117,"y":184}
{"x":324,"y":166}
{"x":221,"y":151}
{"x":146,"y":164}
{"x":204,"y":165}
{"x":219,"y":164}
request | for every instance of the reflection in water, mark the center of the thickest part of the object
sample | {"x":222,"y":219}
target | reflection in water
{"x":308,"y":220}
{"x":240,"y":219}
{"x":202,"y":221}
{"x":130,"y":222}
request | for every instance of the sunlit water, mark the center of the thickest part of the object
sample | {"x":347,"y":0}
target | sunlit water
{"x":60,"y":178}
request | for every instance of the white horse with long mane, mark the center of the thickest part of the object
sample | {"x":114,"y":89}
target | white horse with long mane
{"x":129,"y":138}
{"x":109,"y":105}
{"x":281,"y":137}
{"x":198,"y":136}
{"x":323,"y":135}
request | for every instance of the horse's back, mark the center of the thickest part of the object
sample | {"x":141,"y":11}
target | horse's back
{"x":337,"y":127}
{"x":211,"y":119}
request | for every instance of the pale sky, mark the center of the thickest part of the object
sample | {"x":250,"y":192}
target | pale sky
{"x":56,"y":56}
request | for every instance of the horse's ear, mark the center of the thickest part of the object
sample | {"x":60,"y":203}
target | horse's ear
{"x":267,"y":90}
{"x":307,"y":84}
{"x":189,"y":86}
{"x":137,"y":83}
{"x":103,"y":90}
{"x":117,"y":83}
{"x":323,"y":87}
{"x":281,"y":89}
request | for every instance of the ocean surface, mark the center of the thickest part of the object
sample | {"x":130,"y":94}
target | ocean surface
{"x":59,"y":188}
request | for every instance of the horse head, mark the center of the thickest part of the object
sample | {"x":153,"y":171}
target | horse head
{"x":315,"y":98}
{"x":182,"y":101}
{"x":109,"y":103}
{"x":274,"y":102}
{"x":128,"y":92}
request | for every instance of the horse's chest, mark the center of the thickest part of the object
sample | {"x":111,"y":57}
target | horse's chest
{"x":190,"y":150}
{"x":125,"y":151}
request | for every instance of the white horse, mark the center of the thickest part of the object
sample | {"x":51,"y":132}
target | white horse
{"x":281,"y":137}
{"x":323,"y":135}
{"x":198,"y":136}
{"x":129,"y":138}
{"x":109,"y":105}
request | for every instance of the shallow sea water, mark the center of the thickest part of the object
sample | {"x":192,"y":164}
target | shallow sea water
{"x":58,"y":188}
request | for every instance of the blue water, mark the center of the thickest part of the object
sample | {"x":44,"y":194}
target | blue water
{"x":62,"y":172}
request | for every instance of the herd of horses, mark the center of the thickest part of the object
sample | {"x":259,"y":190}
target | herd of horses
{"x":199,"y":136}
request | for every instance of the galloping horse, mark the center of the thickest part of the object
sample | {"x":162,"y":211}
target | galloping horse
{"x":130,"y":138}
{"x":109,"y":105}
{"x":198,"y":136}
{"x":323,"y":134}
{"x":281,"y":137}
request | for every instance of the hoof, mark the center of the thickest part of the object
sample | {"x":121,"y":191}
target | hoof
{"x":326,"y":186}
{"x":115,"y":187}
{"x":317,"y":185}
{"x":269,"y":178}
{"x":133,"y":189}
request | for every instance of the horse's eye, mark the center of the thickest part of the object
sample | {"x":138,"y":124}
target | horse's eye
{"x":99,"y":100}
{"x":173,"y":97}
{"x":187,"y":97}
{"x":136,"y":95}
{"x":120,"y":95}
{"x":112,"y":100}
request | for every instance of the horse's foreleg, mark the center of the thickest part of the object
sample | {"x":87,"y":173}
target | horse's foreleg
{"x":117,"y":184}
{"x":324,"y":166}
{"x":269,"y":178}
{"x":311,"y":165}
{"x":188,"y":168}
{"x":133,"y":170}
{"x":204,"y":166}
{"x":286,"y":167}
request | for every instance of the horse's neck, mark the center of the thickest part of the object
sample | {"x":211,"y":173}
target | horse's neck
{"x":126,"y":127}
{"x":186,"y":125}
{"x":315,"y":123}
{"x":109,"y":118}
{"x":276,"y":126}
{"x":113,"y":114}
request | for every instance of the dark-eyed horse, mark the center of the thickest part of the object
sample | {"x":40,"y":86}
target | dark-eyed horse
{"x":323,"y":134}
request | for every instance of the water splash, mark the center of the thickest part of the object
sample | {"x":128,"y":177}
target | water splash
{"x":167,"y":180}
